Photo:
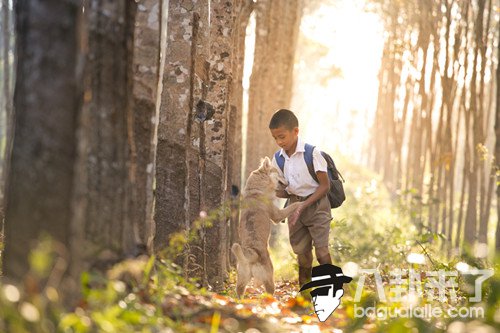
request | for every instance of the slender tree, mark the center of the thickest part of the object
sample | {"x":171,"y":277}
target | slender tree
{"x":497,"y":147}
{"x":7,"y":107}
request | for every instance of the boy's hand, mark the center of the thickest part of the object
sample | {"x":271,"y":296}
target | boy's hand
{"x":292,"y":219}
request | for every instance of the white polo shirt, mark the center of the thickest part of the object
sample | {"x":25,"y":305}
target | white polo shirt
{"x":300,"y":181}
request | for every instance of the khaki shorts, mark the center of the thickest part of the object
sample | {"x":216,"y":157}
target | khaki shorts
{"x":312,"y":227}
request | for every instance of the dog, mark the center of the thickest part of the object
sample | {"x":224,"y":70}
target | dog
{"x":257,"y":212}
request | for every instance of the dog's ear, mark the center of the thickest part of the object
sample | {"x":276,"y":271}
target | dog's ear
{"x":265,"y":163}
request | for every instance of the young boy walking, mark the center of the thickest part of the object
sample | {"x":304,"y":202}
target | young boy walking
{"x":309,"y":225}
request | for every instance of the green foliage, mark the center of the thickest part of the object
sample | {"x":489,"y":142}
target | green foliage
{"x":129,"y":297}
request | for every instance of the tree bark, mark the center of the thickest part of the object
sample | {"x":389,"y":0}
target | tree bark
{"x":171,"y":205}
{"x":8,"y":116}
{"x":105,"y":183}
{"x":143,"y":118}
{"x":40,"y":185}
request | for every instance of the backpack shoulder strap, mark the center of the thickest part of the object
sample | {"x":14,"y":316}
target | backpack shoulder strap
{"x":280,"y":160}
{"x":336,"y":173}
{"x":308,"y":157}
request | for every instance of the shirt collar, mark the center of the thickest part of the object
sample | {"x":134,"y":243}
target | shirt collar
{"x":301,"y":147}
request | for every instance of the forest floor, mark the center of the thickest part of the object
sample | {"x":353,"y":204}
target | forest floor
{"x":288,"y":311}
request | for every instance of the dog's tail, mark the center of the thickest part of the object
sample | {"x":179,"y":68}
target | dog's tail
{"x":251,"y":256}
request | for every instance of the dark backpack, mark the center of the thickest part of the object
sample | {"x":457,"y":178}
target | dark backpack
{"x":336,"y":194}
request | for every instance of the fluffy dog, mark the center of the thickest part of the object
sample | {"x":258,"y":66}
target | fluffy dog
{"x":258,"y":210}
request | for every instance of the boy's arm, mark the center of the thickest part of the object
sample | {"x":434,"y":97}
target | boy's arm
{"x":321,"y":191}
{"x":320,"y":166}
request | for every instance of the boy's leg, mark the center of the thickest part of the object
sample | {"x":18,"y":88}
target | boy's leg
{"x":323,"y":255}
{"x":319,"y":228}
{"x":305,"y":267}
{"x":301,"y":242}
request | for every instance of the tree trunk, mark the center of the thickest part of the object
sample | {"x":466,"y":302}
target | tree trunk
{"x":235,"y":141}
{"x":105,"y":175}
{"x":174,"y":128}
{"x":466,"y":115}
{"x":222,"y":25}
{"x":8,"y":116}
{"x":271,"y":80}
{"x":497,"y":149}
{"x":41,"y":177}
{"x":484,"y":178}
{"x":476,"y":110}
{"x":143,"y":118}
{"x":196,"y":160}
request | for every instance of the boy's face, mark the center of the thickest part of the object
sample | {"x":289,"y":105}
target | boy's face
{"x":284,"y":137}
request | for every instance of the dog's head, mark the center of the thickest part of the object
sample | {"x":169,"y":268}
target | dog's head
{"x":265,"y":178}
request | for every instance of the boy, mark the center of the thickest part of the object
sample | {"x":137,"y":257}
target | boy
{"x":310,"y":223}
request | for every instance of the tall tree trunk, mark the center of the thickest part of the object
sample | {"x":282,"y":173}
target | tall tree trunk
{"x":497,"y":148}
{"x":271,"y":80}
{"x":234,"y":143}
{"x":40,"y":185}
{"x":151,"y":199}
{"x":390,"y":123}
{"x":483,"y":131}
{"x":174,"y":128}
{"x":8,"y":116}
{"x":143,"y":119}
{"x":222,"y":28}
{"x":378,"y":126}
{"x":105,"y":146}
{"x":447,"y":155}
{"x":466,"y":115}
{"x":455,"y":101}
{"x":476,"y":110}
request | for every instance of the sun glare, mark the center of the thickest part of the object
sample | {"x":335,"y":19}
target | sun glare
{"x":336,"y":84}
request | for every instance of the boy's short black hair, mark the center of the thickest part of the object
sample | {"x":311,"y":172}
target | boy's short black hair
{"x":284,"y":117}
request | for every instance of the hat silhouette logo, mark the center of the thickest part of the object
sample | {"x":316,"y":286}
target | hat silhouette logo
{"x":327,"y":279}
